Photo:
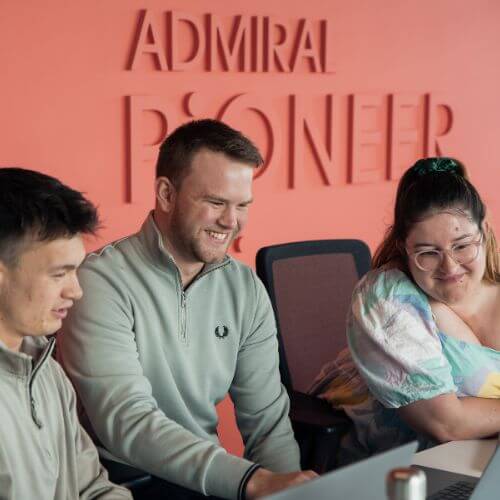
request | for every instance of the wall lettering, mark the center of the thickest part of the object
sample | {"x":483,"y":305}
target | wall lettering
{"x":178,"y":41}
{"x":384,"y":133}
{"x":335,"y":140}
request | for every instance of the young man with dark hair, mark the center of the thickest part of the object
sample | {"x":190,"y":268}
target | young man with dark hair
{"x":171,"y":324}
{"x":44,"y":453}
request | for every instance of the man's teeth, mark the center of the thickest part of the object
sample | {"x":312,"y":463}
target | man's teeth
{"x":217,"y":236}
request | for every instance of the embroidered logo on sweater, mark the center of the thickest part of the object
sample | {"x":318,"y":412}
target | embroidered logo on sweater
{"x":221,"y":332}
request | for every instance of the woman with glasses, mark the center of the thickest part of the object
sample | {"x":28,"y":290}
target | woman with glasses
{"x":424,"y":326}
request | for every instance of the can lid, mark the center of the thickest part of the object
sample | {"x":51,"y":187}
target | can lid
{"x":406,"y":483}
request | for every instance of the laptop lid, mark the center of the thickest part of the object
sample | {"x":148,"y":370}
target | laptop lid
{"x":359,"y":481}
{"x":487,"y":487}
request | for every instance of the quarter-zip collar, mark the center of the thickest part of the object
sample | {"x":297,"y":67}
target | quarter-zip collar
{"x":32,"y":355}
{"x":26,"y":364}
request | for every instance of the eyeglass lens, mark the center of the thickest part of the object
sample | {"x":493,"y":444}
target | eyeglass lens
{"x":461,"y":254}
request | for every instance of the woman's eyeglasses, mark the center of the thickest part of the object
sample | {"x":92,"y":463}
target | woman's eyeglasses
{"x":461,"y":253}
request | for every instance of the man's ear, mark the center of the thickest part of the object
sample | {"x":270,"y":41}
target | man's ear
{"x":165,"y":194}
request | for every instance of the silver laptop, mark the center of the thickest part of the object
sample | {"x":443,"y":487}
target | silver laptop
{"x":359,"y":481}
{"x":442,"y":485}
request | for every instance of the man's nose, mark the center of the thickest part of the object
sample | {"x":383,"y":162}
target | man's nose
{"x":229,"y":218}
{"x":74,"y":290}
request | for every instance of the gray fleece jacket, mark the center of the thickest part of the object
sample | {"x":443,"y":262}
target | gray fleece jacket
{"x":150,"y":361}
{"x":44,"y":453}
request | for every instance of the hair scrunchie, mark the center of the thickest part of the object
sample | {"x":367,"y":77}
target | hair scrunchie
{"x":431,"y":165}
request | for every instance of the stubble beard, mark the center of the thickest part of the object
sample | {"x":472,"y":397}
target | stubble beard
{"x":208,"y":256}
{"x":193,"y":247}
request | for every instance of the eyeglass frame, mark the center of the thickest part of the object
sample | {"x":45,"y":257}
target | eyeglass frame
{"x":448,"y":252}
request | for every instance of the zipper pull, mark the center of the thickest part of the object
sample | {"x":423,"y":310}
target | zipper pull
{"x":34,"y":414}
{"x":183,"y":317}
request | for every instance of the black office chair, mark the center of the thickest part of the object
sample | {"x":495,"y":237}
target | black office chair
{"x":136,"y":480}
{"x":310,"y":285}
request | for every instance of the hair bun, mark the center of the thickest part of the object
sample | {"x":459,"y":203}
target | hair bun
{"x":441,"y":164}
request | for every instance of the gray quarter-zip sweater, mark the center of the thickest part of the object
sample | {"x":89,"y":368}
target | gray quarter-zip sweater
{"x":150,"y":361}
{"x":44,"y":452}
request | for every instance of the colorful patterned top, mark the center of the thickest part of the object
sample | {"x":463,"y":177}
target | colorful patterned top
{"x":396,"y":356}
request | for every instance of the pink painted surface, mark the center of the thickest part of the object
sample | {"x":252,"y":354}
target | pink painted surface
{"x":340,"y":96}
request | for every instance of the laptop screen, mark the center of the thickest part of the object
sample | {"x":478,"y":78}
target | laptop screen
{"x":359,"y":481}
{"x":487,"y":487}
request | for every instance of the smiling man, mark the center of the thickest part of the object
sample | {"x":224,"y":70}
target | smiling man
{"x":44,"y":453}
{"x":171,"y":324}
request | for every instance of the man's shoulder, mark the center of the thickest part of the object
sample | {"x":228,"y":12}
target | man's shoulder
{"x":115,"y":250}
{"x":240,"y":266}
{"x":111,"y":266}
{"x":114,"y":258}
{"x":241,"y":272}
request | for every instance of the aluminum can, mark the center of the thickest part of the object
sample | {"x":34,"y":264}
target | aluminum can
{"x":406,"y":483}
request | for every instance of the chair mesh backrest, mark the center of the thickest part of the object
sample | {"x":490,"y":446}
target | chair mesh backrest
{"x":313,"y":295}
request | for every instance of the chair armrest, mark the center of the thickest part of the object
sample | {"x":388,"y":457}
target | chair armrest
{"x":311,"y":411}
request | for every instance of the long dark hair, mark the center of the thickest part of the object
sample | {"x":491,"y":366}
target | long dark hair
{"x":434,"y":184}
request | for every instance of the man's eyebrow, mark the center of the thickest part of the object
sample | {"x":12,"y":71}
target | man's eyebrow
{"x":247,"y":202}
{"x":64,"y":267}
{"x":224,"y":200}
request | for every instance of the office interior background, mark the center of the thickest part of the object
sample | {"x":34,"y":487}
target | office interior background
{"x":341,"y":97}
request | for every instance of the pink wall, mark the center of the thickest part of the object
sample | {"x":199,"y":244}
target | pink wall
{"x":374,"y":84}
